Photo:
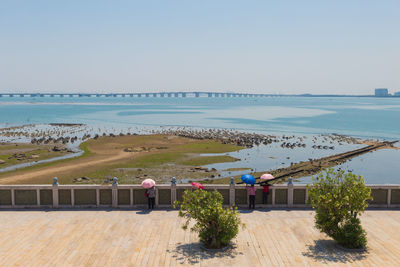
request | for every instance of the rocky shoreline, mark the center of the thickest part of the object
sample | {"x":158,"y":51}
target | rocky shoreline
{"x":60,"y":136}
{"x":63,"y":133}
{"x":253,"y":139}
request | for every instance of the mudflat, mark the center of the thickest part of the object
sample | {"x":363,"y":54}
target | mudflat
{"x":131,"y":158}
{"x":18,"y":153}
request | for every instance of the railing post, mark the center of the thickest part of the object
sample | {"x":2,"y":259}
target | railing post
{"x":131,"y":203}
{"x":306,"y":200}
{"x":55,"y":192}
{"x":272,"y":196}
{"x":72,"y":197}
{"x":115,"y":192}
{"x":12,"y":197}
{"x":156,"y":200}
{"x":38,"y":197}
{"x":173,"y":191}
{"x":232,"y":192}
{"x":389,"y":197}
{"x":290,"y":193}
{"x":97,"y":197}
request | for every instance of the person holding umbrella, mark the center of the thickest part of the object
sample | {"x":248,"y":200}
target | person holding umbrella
{"x":150,"y":185}
{"x":198,"y":185}
{"x":266,"y":177}
{"x":265,"y":193}
{"x":151,"y":195}
{"x":251,"y":189}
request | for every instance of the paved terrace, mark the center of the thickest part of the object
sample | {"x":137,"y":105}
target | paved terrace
{"x":137,"y":238}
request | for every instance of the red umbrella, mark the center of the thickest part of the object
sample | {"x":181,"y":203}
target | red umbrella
{"x":198,"y":185}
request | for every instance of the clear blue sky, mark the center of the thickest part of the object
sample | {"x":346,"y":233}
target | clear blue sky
{"x":349,"y":46}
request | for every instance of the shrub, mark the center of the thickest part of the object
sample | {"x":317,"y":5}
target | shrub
{"x":351,"y":234}
{"x":338,"y":198}
{"x":216,"y":225}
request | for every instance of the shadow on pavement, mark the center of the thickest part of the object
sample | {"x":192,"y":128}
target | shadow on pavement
{"x":328,"y":251}
{"x":193,"y":253}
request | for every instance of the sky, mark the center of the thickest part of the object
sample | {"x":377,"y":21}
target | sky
{"x":318,"y":47}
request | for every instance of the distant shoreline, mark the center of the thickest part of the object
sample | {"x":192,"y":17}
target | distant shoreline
{"x":178,"y":95}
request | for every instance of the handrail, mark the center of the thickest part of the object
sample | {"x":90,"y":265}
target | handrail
{"x":132,"y":195}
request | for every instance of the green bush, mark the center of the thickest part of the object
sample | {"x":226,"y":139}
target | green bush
{"x":338,"y":198}
{"x":351,"y":234}
{"x":216,"y":225}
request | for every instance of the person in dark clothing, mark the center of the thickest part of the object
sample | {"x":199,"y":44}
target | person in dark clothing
{"x":252,"y":196}
{"x":265,"y":193}
{"x":151,"y":195}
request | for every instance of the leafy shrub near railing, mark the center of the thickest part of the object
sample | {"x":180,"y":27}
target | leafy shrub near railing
{"x":216,"y":225}
{"x":338,"y":198}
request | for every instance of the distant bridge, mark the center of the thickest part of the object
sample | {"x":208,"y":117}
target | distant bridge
{"x":138,"y":95}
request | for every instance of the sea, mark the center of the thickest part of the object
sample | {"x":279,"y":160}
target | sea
{"x":361,"y":117}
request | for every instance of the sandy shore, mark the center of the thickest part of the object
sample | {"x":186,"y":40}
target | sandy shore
{"x":131,"y":158}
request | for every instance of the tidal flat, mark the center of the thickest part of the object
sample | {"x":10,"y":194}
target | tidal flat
{"x":12,"y":154}
{"x":209,"y":156}
{"x":131,"y":158}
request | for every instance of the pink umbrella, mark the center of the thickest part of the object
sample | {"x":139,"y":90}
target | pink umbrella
{"x":267,"y":176}
{"x":148,"y":183}
{"x":198,"y":185}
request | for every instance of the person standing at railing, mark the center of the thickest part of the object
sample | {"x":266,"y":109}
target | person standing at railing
{"x":151,"y":195}
{"x":265,"y":193}
{"x":251,"y":190}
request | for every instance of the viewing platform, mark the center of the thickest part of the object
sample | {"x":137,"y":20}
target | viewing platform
{"x":140,"y":238}
{"x":108,"y":225}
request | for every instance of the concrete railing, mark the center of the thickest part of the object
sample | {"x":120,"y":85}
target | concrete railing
{"x":132,"y":196}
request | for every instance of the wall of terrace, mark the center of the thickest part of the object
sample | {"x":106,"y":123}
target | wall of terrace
{"x":133,"y":196}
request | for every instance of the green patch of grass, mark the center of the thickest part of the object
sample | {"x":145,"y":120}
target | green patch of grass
{"x":147,"y":161}
{"x":151,"y":160}
{"x":237,"y":169}
{"x":82,"y":146}
{"x":208,"y":160}
{"x":17,"y":146}
{"x":208,"y":147}
{"x":180,"y":156}
{"x":41,"y":153}
{"x":152,"y":163}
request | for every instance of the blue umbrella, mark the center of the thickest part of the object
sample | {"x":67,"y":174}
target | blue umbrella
{"x":248,"y":179}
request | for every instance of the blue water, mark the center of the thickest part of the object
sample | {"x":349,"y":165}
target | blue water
{"x":378,"y":167}
{"x":365,"y":117}
{"x":362,"y":117}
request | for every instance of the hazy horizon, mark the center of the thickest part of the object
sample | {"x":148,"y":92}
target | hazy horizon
{"x":286,"y":47}
{"x":104,"y":92}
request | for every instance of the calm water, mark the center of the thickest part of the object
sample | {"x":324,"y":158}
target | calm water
{"x":360,"y":117}
{"x":366,"y":117}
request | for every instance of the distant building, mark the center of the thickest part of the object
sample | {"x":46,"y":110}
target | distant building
{"x":397,"y":94}
{"x":381,"y":92}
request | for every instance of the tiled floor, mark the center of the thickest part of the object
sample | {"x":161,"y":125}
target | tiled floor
{"x":136,"y":238}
